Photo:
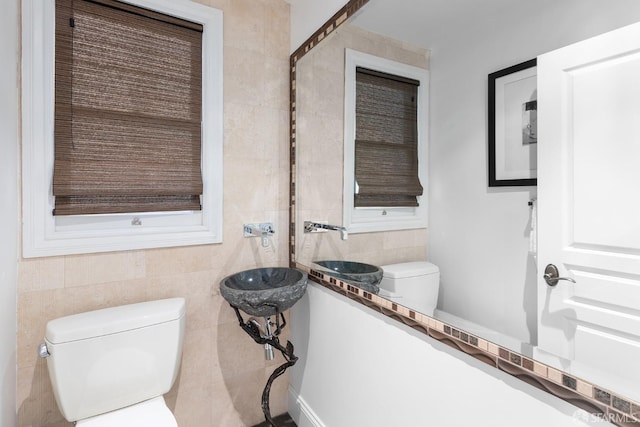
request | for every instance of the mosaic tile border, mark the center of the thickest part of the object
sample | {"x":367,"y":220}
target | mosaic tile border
{"x":600,"y":402}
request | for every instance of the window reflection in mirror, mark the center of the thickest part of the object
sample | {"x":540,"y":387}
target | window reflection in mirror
{"x":320,"y":122}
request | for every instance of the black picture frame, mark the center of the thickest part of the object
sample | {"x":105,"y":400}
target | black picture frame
{"x":501,"y":135}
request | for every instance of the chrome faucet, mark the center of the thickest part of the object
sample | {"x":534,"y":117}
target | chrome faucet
{"x":310,"y":227}
{"x":263,"y":230}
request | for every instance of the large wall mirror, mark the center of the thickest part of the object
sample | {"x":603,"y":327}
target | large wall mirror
{"x":479,"y":236}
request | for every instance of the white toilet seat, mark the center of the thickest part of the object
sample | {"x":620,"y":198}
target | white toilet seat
{"x":150,"y":413}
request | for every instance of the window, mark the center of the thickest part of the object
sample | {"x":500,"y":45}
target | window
{"x":127,"y":110}
{"x":385,"y":144}
{"x":122,"y":125}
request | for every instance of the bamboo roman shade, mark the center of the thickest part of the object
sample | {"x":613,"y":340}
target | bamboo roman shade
{"x":386,"y":146}
{"x":127,"y":110}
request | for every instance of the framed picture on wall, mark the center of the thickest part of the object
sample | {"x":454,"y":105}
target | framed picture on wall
{"x":513,"y":126}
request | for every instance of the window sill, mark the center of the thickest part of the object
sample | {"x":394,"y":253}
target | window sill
{"x":79,"y":235}
{"x":366,"y":220}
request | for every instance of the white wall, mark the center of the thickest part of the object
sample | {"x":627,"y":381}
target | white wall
{"x":479,"y":236}
{"x":8,"y":208}
{"x":357,"y":367}
{"x":309,"y":15}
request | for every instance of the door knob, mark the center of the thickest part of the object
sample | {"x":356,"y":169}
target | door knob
{"x":552,"y":277}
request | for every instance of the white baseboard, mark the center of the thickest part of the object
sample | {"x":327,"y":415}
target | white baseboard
{"x":301,"y":412}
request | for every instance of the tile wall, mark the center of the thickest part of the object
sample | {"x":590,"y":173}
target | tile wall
{"x":223,"y":371}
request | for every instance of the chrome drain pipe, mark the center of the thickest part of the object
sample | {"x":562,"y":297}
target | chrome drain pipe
{"x":265,"y":333}
{"x":268,"y":348}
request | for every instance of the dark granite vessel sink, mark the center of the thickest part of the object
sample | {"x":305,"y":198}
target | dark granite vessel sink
{"x":362,"y":275}
{"x":262,"y":291}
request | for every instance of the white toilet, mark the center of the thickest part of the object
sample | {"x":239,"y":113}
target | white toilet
{"x":414,"y":284}
{"x":112,"y":367}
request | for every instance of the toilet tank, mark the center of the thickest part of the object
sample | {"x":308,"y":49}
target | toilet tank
{"x":415,"y":284}
{"x":108,"y":359}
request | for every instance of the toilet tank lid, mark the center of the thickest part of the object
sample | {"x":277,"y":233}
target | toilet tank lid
{"x":113,"y":320}
{"x":409,"y":269}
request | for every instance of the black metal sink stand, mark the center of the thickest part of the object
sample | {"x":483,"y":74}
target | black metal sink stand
{"x":287,"y":352}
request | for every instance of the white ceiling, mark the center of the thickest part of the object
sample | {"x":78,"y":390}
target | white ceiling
{"x":440,"y":24}
{"x":433,"y":23}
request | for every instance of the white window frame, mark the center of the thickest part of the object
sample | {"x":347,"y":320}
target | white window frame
{"x":365,"y":219}
{"x":45,"y":234}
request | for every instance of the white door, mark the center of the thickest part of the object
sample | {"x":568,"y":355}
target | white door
{"x":589,"y":201}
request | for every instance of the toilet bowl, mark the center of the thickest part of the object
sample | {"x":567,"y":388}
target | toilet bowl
{"x":111,"y":367}
{"x":413,"y":284}
{"x":153,"y":412}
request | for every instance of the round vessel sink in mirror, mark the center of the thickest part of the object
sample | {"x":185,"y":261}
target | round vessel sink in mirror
{"x":360,"y":274}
